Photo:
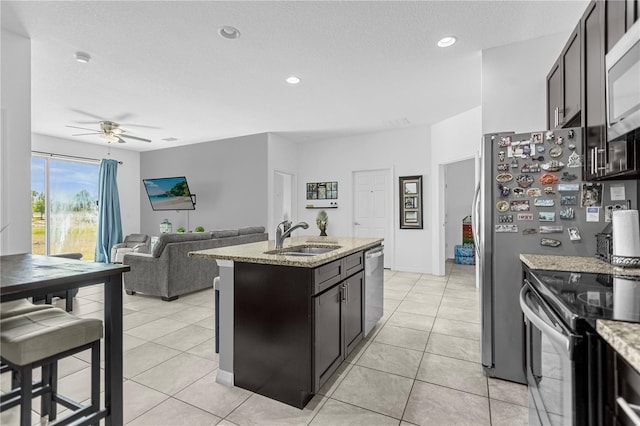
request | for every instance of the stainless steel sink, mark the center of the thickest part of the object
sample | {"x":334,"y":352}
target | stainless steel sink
{"x":303,"y":250}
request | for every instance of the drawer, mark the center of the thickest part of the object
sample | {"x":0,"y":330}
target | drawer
{"x":353,"y":263}
{"x":327,"y":275}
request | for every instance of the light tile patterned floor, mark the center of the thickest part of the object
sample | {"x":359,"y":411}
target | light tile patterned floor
{"x":419,"y":366}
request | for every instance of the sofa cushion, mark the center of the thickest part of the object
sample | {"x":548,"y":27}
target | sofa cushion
{"x":179,"y":237}
{"x":224,"y":233}
{"x":251,"y":230}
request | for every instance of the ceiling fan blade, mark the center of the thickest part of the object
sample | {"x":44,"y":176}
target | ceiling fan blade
{"x":88,"y":114}
{"x":120,"y":140}
{"x":86,"y":134}
{"x":139,"y":125}
{"x":87,"y":122}
{"x":83,"y":128}
{"x":134,"y":137}
{"x":122,"y":117}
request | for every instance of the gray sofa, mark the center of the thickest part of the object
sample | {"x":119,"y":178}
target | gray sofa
{"x":169,"y":272}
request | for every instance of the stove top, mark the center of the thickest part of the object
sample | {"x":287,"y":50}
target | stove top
{"x":583,"y":297}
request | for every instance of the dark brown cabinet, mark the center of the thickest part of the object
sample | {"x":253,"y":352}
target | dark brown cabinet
{"x":593,"y":107}
{"x":564,"y":86}
{"x":602,"y":25}
{"x":622,"y":389}
{"x":294,"y":326}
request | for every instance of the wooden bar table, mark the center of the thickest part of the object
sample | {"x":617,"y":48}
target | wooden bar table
{"x":26,"y":275}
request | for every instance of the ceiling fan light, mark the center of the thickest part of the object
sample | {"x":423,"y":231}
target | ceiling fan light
{"x":110,"y":137}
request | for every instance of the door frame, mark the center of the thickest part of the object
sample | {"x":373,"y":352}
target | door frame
{"x":392,"y":218}
{"x":294,"y":198}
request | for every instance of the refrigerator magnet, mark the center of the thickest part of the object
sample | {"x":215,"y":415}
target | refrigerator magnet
{"x":505,"y":218}
{"x":502,"y":206}
{"x":524,"y":181}
{"x":574,"y":234}
{"x":549,"y":190}
{"x":548,"y":179}
{"x":504,"y":190}
{"x":529,"y":231}
{"x":544,"y":202}
{"x":568,"y":176}
{"x":536,"y":137}
{"x":525,"y":216}
{"x":567,"y":213}
{"x":568,"y":200}
{"x":555,"y":152}
{"x":560,"y":140}
{"x":549,"y":136}
{"x":540,"y":148}
{"x":520,"y":206}
{"x":518,"y":192}
{"x":534,"y":192}
{"x":502,"y":167}
{"x":571,"y":134}
{"x":505,"y":141}
{"x":506,"y":228}
{"x":504,"y":177}
{"x":550,"y":242}
{"x":547,"y":216}
{"x":568,"y":187}
{"x":553,"y":166}
{"x":574,"y":160}
{"x":551,"y":229}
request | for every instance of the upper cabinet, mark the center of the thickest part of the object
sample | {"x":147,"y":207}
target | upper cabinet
{"x":563,"y":86}
{"x":576,"y":84}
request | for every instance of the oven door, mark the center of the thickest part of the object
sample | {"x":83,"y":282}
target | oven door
{"x":549,"y":362}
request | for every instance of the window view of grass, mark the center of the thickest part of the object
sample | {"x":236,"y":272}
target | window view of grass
{"x":70,"y":207}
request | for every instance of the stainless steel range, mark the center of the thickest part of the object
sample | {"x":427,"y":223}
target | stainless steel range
{"x":562,"y":348}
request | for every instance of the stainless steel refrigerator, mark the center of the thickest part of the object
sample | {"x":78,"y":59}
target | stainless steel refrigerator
{"x":518,"y":207}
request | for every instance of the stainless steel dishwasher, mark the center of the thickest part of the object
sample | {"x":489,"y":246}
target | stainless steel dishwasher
{"x":373,"y":287}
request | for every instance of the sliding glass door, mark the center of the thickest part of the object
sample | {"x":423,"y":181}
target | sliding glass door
{"x":64,"y":206}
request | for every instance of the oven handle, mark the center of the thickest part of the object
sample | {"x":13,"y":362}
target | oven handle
{"x":559,"y":338}
{"x":629,"y":409}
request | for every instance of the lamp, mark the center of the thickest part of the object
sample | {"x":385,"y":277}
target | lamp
{"x":110,"y":137}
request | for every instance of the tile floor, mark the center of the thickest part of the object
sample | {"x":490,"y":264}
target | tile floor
{"x":419,"y":366}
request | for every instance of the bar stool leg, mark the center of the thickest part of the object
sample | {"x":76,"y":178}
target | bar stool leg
{"x":25,"y":395}
{"x":95,"y":376}
{"x":45,"y":399}
{"x":69,"y":301}
{"x":53,"y":383}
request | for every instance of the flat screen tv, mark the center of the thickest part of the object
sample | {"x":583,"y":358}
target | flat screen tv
{"x":169,"y":193}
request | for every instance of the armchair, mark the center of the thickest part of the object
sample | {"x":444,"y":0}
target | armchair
{"x":134,"y":243}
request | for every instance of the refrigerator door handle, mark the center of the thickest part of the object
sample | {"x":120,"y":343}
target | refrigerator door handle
{"x":475,"y":222}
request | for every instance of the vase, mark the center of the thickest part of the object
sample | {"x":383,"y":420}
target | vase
{"x":323,"y":229}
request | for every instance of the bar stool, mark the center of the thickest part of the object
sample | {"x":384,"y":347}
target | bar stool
{"x":12,"y":309}
{"x":40,"y":339}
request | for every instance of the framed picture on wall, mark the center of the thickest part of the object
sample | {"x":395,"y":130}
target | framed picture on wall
{"x":410,"y":202}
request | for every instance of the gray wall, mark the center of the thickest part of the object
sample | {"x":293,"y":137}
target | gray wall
{"x":459,"y":190}
{"x":228,"y":176}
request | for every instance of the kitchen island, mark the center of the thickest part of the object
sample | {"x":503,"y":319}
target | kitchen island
{"x":288,"y":317}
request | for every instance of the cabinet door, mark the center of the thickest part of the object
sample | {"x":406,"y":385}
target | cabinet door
{"x":352,"y":314}
{"x":571,"y":79}
{"x":616,"y":17}
{"x":554,"y":96}
{"x":594,"y":86}
{"x":328,"y":334}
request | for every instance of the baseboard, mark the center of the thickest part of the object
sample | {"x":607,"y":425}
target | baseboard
{"x":225,"y":378}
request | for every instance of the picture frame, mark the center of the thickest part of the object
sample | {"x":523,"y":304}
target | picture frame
{"x":322,"y":191}
{"x":410,"y":202}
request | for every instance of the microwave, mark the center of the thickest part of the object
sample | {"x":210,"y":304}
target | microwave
{"x":623,"y":85}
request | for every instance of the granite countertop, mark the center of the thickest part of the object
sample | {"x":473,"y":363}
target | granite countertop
{"x":624,"y":337}
{"x":255,"y":252}
{"x":575,"y":264}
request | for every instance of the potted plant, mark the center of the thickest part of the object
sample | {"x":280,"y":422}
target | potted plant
{"x":181,"y":229}
{"x":199,"y":229}
{"x":321,"y":220}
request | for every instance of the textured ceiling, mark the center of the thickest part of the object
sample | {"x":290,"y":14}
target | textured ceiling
{"x":162,"y":68}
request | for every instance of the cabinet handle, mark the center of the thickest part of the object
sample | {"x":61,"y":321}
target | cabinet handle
{"x":555,"y":117}
{"x":629,"y":409}
{"x":343,"y":293}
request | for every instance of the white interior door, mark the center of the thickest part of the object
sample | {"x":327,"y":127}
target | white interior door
{"x":372,"y":203}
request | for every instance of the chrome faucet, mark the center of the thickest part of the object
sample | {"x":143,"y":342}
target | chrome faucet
{"x":284,"y":229}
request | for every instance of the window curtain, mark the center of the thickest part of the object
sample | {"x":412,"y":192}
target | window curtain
{"x":109,"y":220}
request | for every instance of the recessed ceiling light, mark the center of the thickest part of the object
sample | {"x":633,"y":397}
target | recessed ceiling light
{"x":229,"y":32}
{"x":293,"y":80}
{"x":82,"y":57}
{"x":447,"y":41}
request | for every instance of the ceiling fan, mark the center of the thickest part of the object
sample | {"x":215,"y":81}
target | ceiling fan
{"x":109,"y":131}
